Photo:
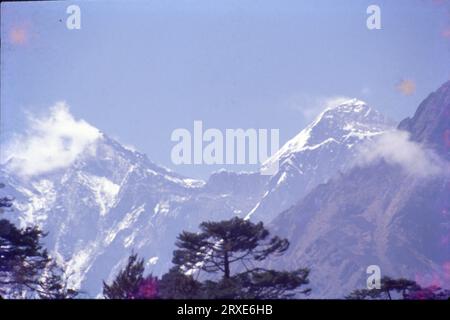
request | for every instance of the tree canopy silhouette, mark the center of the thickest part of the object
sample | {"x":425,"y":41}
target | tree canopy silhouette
{"x":228,"y":250}
{"x":126,"y":284}
{"x":26,"y":269}
{"x":399,"y":289}
{"x":130,"y":282}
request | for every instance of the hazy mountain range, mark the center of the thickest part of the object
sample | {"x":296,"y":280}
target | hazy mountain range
{"x":351,"y":191}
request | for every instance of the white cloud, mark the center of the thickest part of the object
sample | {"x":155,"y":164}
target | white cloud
{"x":51,"y":142}
{"x":396,"y":148}
{"x":312,"y":107}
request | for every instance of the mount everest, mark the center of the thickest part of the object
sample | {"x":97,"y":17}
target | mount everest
{"x":112,"y":200}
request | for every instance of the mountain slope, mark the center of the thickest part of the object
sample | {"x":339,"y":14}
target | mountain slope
{"x":114,"y":200}
{"x":377,"y":214}
{"x":324,"y":148}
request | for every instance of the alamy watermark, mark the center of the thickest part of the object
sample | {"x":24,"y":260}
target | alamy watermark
{"x":374,"y":280}
{"x":73,"y":21}
{"x":236,"y":146}
{"x":373,"y":21}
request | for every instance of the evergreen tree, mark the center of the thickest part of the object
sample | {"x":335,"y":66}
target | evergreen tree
{"x":236,"y":244}
{"x":401,"y":286}
{"x":53,"y":284}
{"x":271,"y":284}
{"x":148,"y":288}
{"x":22,"y":258}
{"x":390,"y":289}
{"x":128,"y":281}
{"x":428,"y":293}
{"x":177,"y":285}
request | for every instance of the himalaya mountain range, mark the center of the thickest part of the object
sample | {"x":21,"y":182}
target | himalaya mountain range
{"x":352,"y":190}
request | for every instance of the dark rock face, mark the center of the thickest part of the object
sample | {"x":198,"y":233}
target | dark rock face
{"x":431,"y":123}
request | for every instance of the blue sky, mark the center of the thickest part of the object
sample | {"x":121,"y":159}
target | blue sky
{"x":137,"y":70}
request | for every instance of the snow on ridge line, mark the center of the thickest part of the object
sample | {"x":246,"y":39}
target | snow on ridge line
{"x":293,"y":145}
{"x":104,"y":190}
{"x":185,"y":182}
{"x":253,"y":210}
{"x":194,"y":183}
{"x":300,"y":142}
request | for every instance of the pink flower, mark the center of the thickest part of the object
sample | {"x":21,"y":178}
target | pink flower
{"x":148,"y":288}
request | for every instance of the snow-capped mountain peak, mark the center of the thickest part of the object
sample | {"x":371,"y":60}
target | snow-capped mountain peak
{"x":336,"y":124}
{"x":111,"y":199}
{"x":379,"y":214}
{"x":327,"y":146}
{"x":350,"y":105}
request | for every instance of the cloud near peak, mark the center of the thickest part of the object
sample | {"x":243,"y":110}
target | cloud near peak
{"x":51,"y":142}
{"x":396,"y":148}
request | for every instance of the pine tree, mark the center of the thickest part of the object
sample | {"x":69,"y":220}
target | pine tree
{"x":429,"y":293}
{"x":237,"y":244}
{"x":54,"y":284}
{"x":128,"y":281}
{"x":401,"y":286}
{"x":177,"y":285}
{"x":26,"y":270}
{"x":148,"y":288}
{"x":271,"y":284}
{"x":389,"y":287}
{"x":22,"y":258}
